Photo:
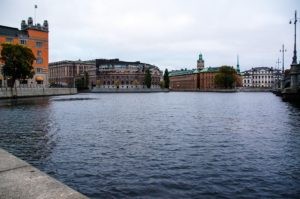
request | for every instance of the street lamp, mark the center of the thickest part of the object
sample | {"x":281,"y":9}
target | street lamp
{"x":295,"y":50}
{"x":283,"y":50}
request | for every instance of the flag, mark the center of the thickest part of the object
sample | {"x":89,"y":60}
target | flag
{"x":35,"y":6}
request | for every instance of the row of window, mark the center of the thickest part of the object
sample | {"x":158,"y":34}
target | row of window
{"x":38,"y":44}
{"x":247,"y":81}
{"x":124,"y":82}
{"x":262,"y":72}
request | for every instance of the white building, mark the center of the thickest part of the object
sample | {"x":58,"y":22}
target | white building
{"x":264,"y":77}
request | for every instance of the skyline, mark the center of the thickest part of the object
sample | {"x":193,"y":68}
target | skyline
{"x":169,"y":34}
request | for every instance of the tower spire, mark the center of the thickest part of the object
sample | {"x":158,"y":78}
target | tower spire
{"x":238,"y":65}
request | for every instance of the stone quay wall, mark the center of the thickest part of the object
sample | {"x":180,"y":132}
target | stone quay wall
{"x":35,"y":92}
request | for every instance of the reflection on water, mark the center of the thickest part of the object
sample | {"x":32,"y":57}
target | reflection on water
{"x":165,"y":145}
{"x":25,"y":129}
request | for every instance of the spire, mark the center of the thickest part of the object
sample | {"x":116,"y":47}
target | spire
{"x":238,"y":65}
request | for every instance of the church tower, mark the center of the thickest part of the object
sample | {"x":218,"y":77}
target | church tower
{"x":200,"y":62}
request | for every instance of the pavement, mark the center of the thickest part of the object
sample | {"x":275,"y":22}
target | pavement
{"x":20,"y":180}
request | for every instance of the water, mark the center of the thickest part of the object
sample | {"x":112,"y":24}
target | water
{"x":160,"y":145}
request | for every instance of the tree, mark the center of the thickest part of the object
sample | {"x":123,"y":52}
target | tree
{"x":166,"y":78}
{"x":18,"y":60}
{"x":148,"y":78}
{"x":226,"y":77}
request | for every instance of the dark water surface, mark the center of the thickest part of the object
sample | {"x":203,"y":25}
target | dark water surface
{"x":161,"y":145}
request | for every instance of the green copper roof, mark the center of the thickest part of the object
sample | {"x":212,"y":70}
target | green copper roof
{"x":210,"y":70}
{"x":181,"y":72}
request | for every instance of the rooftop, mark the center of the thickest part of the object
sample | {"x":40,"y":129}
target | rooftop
{"x":181,"y":72}
{"x":9,"y":31}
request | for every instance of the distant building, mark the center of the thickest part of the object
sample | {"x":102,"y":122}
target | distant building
{"x":207,"y":77}
{"x":116,"y":74}
{"x":64,"y":73}
{"x":197,"y":79}
{"x":264,"y":77}
{"x":184,"y":80}
{"x":34,"y":36}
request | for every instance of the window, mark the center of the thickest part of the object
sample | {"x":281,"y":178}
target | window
{"x":9,"y":39}
{"x":39,"y":53}
{"x":23,"y":41}
{"x":39,"y":70}
{"x":38,"y":44}
{"x":39,"y":60}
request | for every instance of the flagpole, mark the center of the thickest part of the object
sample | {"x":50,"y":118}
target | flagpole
{"x":35,"y":7}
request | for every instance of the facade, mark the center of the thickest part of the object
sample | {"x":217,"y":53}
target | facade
{"x":262,"y":77}
{"x":34,"y":36}
{"x":64,"y":73}
{"x":116,"y":74}
{"x":198,"y":79}
{"x":184,"y":80}
{"x":206,"y":78}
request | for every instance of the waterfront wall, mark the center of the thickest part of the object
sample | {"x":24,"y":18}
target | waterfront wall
{"x":33,"y":92}
{"x":131,"y":90}
{"x":19,"y":179}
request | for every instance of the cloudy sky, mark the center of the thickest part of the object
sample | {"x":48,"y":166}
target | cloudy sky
{"x":166,"y":33}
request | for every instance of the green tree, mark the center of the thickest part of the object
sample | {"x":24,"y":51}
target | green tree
{"x":86,"y":79}
{"x":148,"y":78}
{"x":82,"y":81}
{"x":166,"y":78}
{"x":18,"y":60}
{"x":226,"y":77}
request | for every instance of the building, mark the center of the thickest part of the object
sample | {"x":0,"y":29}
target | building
{"x":200,"y":78}
{"x":184,"y":80}
{"x":262,"y":77}
{"x":207,"y":77}
{"x":116,"y":74}
{"x":34,"y":36}
{"x":64,"y":73}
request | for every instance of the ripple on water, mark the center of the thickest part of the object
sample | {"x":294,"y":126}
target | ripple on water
{"x":161,"y":145}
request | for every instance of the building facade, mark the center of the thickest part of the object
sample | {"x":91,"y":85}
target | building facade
{"x":64,"y":73}
{"x":184,"y":80}
{"x":116,"y":74}
{"x":207,"y":77}
{"x":200,"y":78}
{"x":262,"y":77}
{"x":34,"y":36}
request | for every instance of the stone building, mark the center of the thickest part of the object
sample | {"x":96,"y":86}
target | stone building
{"x":116,"y":74}
{"x":34,"y":36}
{"x":262,"y":77}
{"x":64,"y":73}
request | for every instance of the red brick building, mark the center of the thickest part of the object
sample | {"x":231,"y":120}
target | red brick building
{"x":184,"y":80}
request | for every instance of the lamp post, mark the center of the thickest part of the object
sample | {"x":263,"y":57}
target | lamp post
{"x":283,"y":50}
{"x":277,"y":85}
{"x":295,"y":49}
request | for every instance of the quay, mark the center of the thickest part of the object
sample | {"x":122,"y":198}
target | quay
{"x":35,"y":92}
{"x":19,"y":179}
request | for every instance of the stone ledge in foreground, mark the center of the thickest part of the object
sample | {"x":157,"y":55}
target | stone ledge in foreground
{"x":19,"y":179}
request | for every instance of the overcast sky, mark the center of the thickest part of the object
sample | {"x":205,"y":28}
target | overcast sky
{"x":166,"y":33}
